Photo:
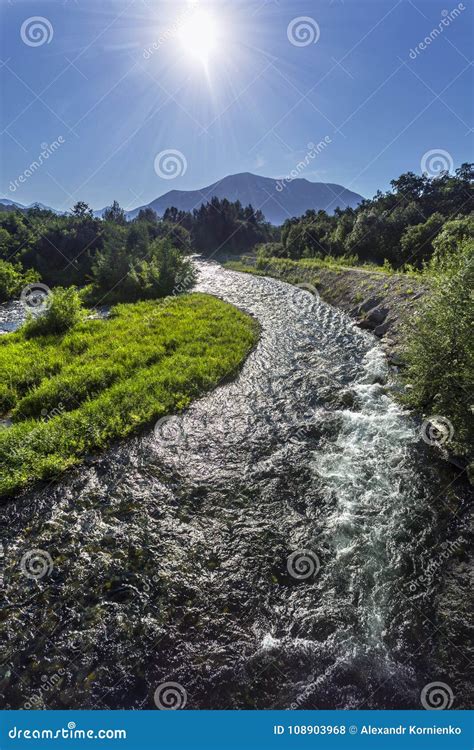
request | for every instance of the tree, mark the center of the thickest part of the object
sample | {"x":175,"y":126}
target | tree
{"x":440,"y":346}
{"x":115,"y":214}
{"x":82,"y":211}
{"x":417,"y":241}
{"x":147,"y":215}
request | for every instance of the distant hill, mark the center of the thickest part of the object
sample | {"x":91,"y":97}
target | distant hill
{"x":276,"y":200}
{"x":9,"y":204}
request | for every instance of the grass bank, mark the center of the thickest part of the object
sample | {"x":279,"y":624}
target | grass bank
{"x":68,"y":395}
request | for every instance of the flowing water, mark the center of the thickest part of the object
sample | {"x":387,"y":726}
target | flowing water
{"x":268,"y":550}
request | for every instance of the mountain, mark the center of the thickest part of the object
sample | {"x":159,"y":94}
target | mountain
{"x":22,"y":207}
{"x":278,"y":199}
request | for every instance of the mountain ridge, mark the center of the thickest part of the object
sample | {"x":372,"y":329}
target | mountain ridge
{"x":277,"y":198}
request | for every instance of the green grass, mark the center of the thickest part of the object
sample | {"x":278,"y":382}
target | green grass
{"x":283,"y":267}
{"x":104,"y":379}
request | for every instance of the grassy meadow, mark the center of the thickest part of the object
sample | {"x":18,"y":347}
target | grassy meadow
{"x":72,"y":393}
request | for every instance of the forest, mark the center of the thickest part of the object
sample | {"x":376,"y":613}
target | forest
{"x":120,"y":260}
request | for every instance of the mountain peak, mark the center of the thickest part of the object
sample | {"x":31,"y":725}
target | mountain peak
{"x":278,"y":198}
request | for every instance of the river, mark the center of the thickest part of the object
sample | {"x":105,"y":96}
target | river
{"x":285,"y":543}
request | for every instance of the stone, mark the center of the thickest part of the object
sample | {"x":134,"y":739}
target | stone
{"x":377,"y":315}
{"x":382,"y":329}
{"x":369,"y":304}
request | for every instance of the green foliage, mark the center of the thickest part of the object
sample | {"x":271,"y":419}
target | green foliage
{"x":13,"y":278}
{"x":398,"y":226}
{"x":268,"y":250}
{"x":64,"y":310}
{"x":104,"y":379}
{"x":440,"y":342}
{"x":68,"y":249}
{"x":224,"y":227}
{"x":144,"y":270}
{"x":115,"y":214}
{"x":417,"y":241}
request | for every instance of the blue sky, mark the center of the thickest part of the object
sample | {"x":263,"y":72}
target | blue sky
{"x":88,"y":80}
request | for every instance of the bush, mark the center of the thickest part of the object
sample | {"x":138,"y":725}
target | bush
{"x":63,"y":312}
{"x":268,"y":250}
{"x":13,"y":279}
{"x":440,"y":346}
{"x":417,"y":242}
{"x":121,"y":276}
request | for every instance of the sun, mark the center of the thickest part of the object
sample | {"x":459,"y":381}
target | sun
{"x":199,"y":36}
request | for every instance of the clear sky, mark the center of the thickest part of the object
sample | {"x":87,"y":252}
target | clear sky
{"x":233,"y":87}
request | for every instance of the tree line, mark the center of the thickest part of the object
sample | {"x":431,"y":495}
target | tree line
{"x":121,"y":260}
{"x":398,"y":226}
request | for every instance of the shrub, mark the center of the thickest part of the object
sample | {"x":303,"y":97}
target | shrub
{"x":63,"y":312}
{"x":440,"y":346}
{"x":13,"y":279}
{"x":121,"y":276}
{"x":268,"y":250}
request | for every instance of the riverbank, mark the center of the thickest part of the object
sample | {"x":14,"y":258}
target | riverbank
{"x":378,"y":301}
{"x":176,"y":560}
{"x":63,"y":396}
{"x":384,"y":303}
